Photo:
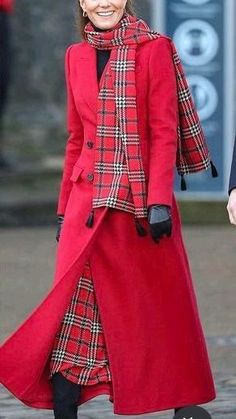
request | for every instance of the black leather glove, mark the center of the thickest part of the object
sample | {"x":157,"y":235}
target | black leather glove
{"x":160,"y":222}
{"x":60,"y":219}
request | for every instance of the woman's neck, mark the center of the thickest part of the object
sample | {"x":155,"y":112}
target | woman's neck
{"x":99,"y":29}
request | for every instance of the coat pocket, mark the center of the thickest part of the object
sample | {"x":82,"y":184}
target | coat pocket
{"x":76,"y":173}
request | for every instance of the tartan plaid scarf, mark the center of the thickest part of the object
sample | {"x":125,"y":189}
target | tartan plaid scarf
{"x":119,"y":179}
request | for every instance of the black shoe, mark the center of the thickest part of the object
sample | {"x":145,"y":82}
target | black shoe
{"x":65,"y":397}
{"x":176,"y":410}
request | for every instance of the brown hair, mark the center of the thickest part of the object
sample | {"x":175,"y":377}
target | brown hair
{"x":81,"y":20}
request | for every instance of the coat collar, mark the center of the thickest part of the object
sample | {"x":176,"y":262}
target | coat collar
{"x":87,"y":72}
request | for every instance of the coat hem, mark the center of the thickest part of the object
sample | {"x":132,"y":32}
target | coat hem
{"x":105,"y":389}
{"x":47,"y":405}
{"x":182,"y":403}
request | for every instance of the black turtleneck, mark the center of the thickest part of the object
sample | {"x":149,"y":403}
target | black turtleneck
{"x":103,"y":56}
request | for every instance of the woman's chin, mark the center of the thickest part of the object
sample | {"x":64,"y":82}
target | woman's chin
{"x":106,"y":22}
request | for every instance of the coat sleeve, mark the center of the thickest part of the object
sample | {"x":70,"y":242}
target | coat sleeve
{"x":74,"y":142}
{"x":232,"y":179}
{"x":163,"y":120}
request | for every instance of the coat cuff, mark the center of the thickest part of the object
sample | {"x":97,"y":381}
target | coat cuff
{"x":162,"y":197}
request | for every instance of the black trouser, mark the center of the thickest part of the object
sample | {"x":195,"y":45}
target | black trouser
{"x":65,"y":397}
{"x":5,"y":64}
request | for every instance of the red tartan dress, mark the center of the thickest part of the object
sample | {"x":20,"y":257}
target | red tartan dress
{"x":80,"y":351}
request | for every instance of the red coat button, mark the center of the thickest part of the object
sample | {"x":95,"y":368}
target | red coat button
{"x":90,"y":177}
{"x":90,"y":144}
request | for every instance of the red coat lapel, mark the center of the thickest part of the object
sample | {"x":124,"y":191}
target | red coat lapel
{"x":87,"y":76}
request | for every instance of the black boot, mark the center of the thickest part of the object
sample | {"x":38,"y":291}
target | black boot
{"x":65,"y":396}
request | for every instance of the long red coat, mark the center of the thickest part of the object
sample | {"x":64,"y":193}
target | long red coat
{"x":146,"y":298}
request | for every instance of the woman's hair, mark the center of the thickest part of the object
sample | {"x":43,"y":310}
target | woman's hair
{"x":81,"y":20}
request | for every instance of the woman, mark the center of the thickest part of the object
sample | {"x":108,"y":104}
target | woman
{"x":122,"y":317}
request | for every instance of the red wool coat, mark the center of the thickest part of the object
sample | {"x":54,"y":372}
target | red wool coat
{"x":156,"y":346}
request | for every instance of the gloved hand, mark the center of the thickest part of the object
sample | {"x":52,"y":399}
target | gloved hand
{"x":160,"y":221}
{"x":60,"y":219}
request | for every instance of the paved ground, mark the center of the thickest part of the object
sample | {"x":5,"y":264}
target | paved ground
{"x":27,"y":263}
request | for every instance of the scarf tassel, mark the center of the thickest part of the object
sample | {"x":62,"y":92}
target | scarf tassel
{"x":140,"y":229}
{"x":183,"y":183}
{"x":90,"y":220}
{"x":214,"y":172}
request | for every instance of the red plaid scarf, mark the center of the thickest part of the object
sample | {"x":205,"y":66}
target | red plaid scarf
{"x":119,"y":179}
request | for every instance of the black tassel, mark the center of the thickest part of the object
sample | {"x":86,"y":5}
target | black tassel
{"x":140,"y":229}
{"x":90,"y":220}
{"x":183,"y":183}
{"x":213,"y":170}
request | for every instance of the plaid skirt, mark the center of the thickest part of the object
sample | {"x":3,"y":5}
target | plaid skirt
{"x":79,"y":351}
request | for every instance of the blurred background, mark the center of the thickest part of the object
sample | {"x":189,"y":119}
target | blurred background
{"x":32,"y":141}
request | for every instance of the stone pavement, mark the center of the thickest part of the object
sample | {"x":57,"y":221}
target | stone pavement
{"x":27,"y":263}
